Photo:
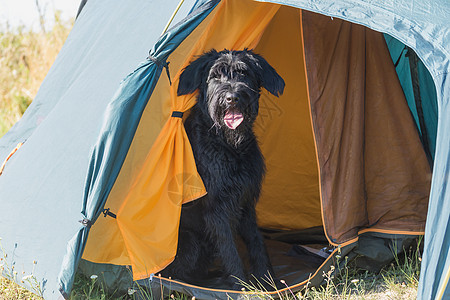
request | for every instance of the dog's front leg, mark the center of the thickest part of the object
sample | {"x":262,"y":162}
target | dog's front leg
{"x":220,"y":231}
{"x":262,"y":269}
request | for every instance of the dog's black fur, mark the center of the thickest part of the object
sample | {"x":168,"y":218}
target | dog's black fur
{"x":229,"y":162}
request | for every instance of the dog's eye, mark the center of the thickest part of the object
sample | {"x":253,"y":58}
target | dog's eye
{"x":215,"y":76}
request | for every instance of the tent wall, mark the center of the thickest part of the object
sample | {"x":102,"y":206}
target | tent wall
{"x":435,"y":270}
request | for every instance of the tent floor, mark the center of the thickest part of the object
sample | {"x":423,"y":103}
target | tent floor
{"x":292,"y":263}
{"x":294,"y":256}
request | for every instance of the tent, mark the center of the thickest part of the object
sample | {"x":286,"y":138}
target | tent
{"x":349,"y":146}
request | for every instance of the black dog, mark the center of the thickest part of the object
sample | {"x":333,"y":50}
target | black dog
{"x":230,"y":163}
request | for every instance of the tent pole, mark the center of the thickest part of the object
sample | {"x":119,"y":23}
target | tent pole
{"x":173,"y":16}
{"x":80,"y":8}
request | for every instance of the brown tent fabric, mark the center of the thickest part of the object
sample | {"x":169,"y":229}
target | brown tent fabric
{"x":363,"y":129}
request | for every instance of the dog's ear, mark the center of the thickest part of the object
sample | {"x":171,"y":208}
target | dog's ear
{"x":270,"y":80}
{"x":196,"y":73}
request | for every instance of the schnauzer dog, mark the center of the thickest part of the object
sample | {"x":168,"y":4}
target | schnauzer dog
{"x":230,"y":163}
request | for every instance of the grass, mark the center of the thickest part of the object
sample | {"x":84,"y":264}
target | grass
{"x":9,"y":290}
{"x":399,"y":280}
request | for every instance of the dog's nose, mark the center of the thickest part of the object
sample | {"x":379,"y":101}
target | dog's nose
{"x":231,"y":97}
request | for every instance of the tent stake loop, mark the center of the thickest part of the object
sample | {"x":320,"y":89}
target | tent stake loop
{"x":107,"y":212}
{"x":86,"y":222}
{"x":161,"y":64}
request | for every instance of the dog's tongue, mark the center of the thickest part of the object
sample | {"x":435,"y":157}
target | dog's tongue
{"x":232,"y":119}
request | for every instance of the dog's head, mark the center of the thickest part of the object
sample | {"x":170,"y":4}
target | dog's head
{"x":229,"y":84}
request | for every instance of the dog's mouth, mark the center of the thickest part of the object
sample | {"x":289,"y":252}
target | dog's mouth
{"x":233,"y":118}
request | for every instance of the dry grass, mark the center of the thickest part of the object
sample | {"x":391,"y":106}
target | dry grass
{"x":25,"y":58}
{"x":11,"y":291}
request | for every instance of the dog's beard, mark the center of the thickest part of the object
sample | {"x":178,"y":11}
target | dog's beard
{"x":229,"y":121}
{"x":234,"y":137}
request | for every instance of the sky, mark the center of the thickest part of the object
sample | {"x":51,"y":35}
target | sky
{"x":24,"y":12}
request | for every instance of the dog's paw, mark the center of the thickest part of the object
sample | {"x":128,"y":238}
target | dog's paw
{"x":235,"y":283}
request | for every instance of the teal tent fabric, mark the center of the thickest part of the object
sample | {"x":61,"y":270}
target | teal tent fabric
{"x":400,"y":57}
{"x":436,"y":257}
{"x":62,"y":174}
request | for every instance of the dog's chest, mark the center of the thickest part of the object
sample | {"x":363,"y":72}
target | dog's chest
{"x":227,"y":171}
{"x":227,"y":166}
